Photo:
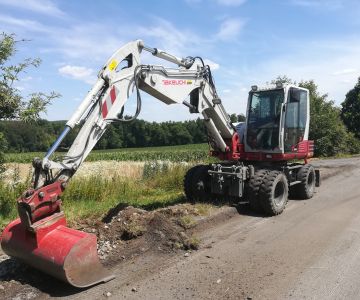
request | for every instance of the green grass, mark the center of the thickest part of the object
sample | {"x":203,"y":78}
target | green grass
{"x":92,"y":197}
{"x":187,"y":221}
{"x":187,"y":153}
{"x":8,"y":195}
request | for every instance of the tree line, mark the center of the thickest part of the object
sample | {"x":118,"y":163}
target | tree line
{"x":38,"y":136}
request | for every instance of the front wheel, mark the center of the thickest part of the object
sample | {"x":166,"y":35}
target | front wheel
{"x":196,"y":184}
{"x":274,"y":192}
{"x":305,"y":189}
{"x":253,"y":188}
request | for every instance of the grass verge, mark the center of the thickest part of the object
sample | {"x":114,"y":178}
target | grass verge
{"x":94,"y":196}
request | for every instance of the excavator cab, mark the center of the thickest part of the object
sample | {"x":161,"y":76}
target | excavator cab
{"x":277,"y":119}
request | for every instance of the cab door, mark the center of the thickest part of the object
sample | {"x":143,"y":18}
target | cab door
{"x":295,"y":119}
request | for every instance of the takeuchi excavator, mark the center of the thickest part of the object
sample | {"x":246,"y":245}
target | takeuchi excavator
{"x":261,"y":161}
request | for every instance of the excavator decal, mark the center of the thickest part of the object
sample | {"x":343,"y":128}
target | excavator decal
{"x":113,"y":65}
{"x":108,"y":102}
{"x":175,"y":82}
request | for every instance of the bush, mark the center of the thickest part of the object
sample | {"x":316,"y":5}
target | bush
{"x":153,"y":168}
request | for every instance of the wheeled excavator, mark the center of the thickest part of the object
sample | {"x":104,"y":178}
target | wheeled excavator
{"x":259,"y":160}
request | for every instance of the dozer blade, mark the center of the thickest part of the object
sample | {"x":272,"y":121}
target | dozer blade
{"x":67,"y":254}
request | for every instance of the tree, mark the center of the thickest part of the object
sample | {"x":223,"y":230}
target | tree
{"x":326,"y":127}
{"x":350,"y":112}
{"x":12,"y":104}
{"x":282,"y":79}
{"x":241,"y":118}
{"x":233,"y":118}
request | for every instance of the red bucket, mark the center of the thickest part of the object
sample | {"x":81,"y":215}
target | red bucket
{"x":62,"y":252}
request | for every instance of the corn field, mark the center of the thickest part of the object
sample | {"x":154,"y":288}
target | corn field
{"x":182,"y":153}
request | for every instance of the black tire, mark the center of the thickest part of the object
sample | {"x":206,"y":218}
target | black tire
{"x":196,"y":184}
{"x":202,"y":182}
{"x":252,"y":191}
{"x":274,"y":192}
{"x":188,"y":187}
{"x":305,"y":189}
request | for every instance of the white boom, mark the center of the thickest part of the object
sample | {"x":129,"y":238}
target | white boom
{"x":123,"y":73}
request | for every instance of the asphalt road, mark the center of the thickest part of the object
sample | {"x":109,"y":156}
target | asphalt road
{"x":311,"y":251}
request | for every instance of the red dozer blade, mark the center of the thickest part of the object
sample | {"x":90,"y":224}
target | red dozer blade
{"x":48,"y":245}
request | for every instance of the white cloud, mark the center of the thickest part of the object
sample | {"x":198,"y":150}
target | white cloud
{"x":82,"y":43}
{"x":345,"y":72}
{"x":72,"y":41}
{"x":231,"y":2}
{"x":346,"y":81}
{"x":230,"y":29}
{"x":80,"y":73}
{"x":220,"y":2}
{"x":321,"y":4}
{"x":20,"y":87}
{"x":28,"y":25}
{"x":45,"y":7}
{"x":315,"y":60}
{"x":77,"y":45}
{"x":213,"y":65}
{"x":169,"y":38}
{"x":193,"y":1}
{"x":26,"y":78}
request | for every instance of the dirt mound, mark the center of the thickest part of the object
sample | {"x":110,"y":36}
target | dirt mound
{"x":126,"y":232}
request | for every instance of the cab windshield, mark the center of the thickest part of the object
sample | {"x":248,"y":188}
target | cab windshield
{"x":264,"y":120}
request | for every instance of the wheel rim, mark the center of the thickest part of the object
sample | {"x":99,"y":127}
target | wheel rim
{"x":279,"y":193}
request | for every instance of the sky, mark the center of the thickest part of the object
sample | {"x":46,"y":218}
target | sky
{"x":246,"y":42}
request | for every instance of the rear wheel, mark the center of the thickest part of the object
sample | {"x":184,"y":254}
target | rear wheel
{"x":305,"y":189}
{"x":274,"y":192}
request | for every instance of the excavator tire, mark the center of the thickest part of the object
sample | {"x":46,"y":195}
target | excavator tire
{"x":274,"y":192}
{"x":201,"y":184}
{"x":196,"y":184}
{"x":305,"y":189}
{"x":252,"y":190}
{"x":188,"y":189}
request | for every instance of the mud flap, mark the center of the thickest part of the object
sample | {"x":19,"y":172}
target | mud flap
{"x":67,"y":254}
